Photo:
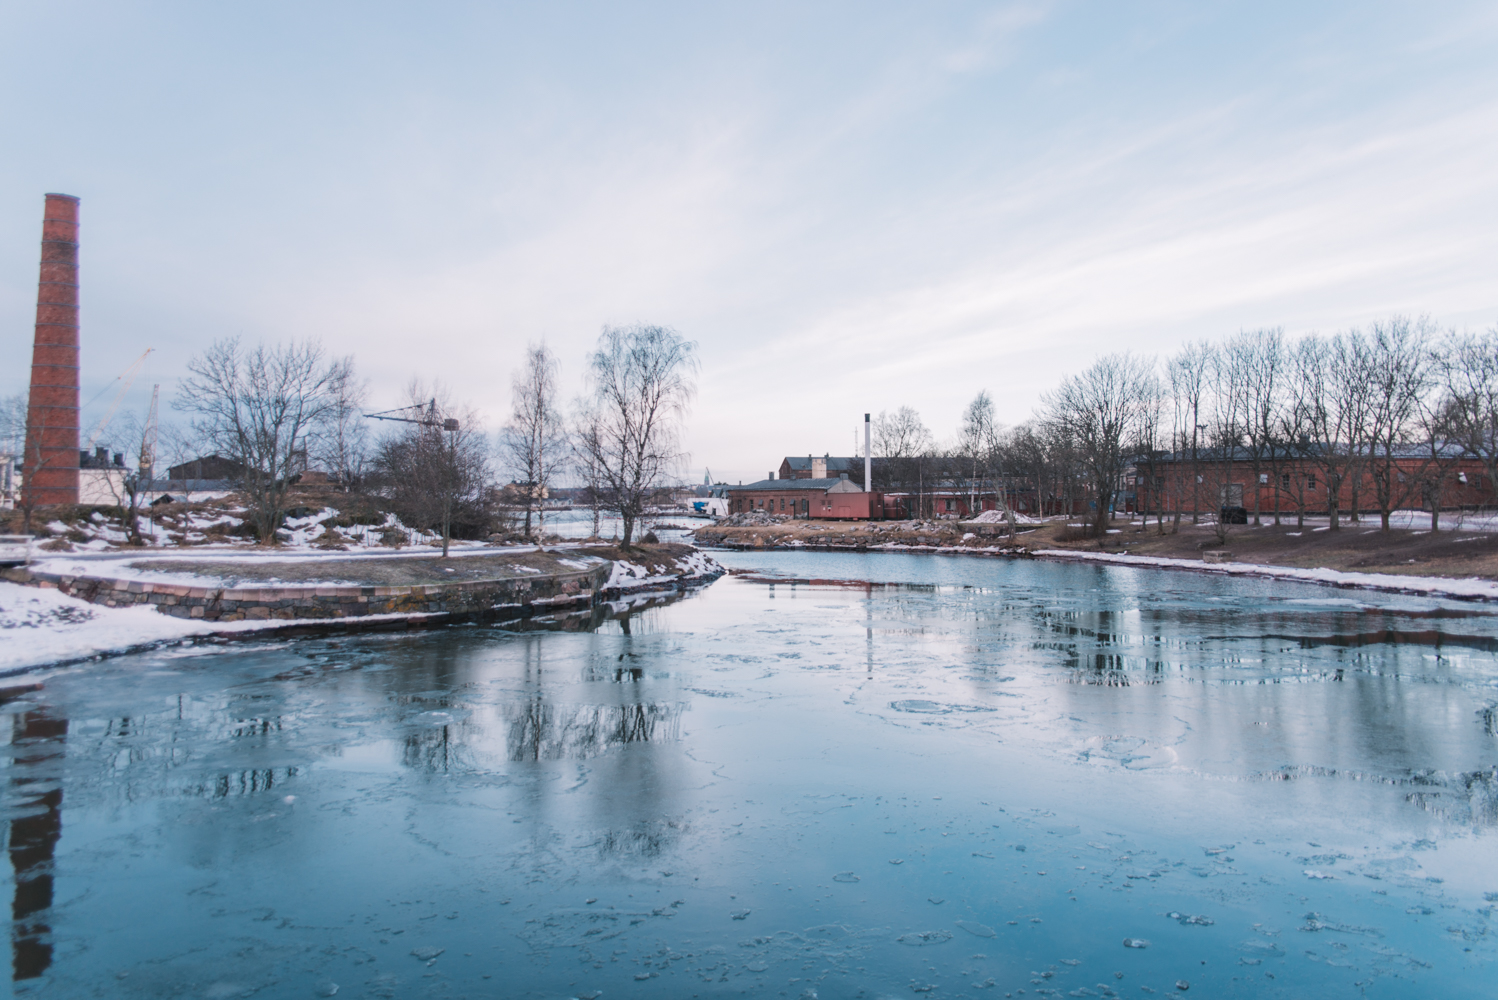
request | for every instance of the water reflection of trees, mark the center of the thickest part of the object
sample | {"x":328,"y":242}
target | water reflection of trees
{"x":435,"y":749}
{"x":541,"y":730}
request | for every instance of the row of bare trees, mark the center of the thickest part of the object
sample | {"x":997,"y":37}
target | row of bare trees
{"x":1378,"y":417}
{"x":274,"y":411}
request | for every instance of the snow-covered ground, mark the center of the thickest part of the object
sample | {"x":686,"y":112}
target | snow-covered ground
{"x":40,"y":627}
{"x":1435,"y":586}
{"x":999,"y":517}
{"x":632,"y":576}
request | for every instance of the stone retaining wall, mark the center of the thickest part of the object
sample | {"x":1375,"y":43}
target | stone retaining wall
{"x":291,"y":602}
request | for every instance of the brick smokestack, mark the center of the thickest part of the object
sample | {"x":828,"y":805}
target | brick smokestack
{"x":51,"y":458}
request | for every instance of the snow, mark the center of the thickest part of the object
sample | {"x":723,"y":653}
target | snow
{"x":41,"y":627}
{"x":626,"y":575}
{"x":1469,"y":588}
{"x":999,"y":517}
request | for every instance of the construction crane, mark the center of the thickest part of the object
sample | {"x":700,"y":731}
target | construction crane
{"x":128,"y":377}
{"x":423,"y":414}
{"x":146,"y":467}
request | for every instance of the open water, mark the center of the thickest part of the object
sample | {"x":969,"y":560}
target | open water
{"x":926,"y":777}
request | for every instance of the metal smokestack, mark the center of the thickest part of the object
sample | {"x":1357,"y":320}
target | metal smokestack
{"x":868,"y":459}
{"x":51,"y":452}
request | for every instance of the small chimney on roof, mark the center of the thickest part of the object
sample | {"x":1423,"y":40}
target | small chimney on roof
{"x":772,"y":475}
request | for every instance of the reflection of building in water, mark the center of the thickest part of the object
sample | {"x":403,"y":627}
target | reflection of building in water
{"x":540,"y":730}
{"x":36,"y":790}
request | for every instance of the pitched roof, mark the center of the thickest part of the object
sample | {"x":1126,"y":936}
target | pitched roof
{"x":791,"y":484}
{"x":802,"y":463}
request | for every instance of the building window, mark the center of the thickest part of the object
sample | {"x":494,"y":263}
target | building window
{"x":1285,"y":481}
{"x":1263,"y":479}
{"x":1310,"y":482}
{"x":951,"y":505}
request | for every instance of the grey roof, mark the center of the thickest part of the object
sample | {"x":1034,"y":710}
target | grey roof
{"x":790,"y":484}
{"x":802,"y":463}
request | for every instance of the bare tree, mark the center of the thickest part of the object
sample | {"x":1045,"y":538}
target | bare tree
{"x":1150,"y":446}
{"x":642,"y":382}
{"x":1330,"y":399}
{"x":1189,"y":372}
{"x":1398,"y":376}
{"x":586,"y":447}
{"x":1258,"y":364}
{"x":905,"y":444}
{"x":1097,"y":409}
{"x":12,"y":440}
{"x":535,"y":440}
{"x":901,"y":434}
{"x":258,"y":406}
{"x":1468,"y":374}
{"x":435,"y":471}
{"x":343,"y":437}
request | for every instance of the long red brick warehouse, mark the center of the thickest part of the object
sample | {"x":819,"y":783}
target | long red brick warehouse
{"x":50,"y":464}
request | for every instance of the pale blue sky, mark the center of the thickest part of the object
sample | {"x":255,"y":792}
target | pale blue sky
{"x":849,"y":206}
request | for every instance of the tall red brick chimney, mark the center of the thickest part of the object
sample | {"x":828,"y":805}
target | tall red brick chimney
{"x":50,"y":465}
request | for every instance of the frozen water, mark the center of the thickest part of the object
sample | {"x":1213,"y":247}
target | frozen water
{"x":574,"y":806}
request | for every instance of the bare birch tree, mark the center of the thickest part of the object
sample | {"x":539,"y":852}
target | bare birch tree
{"x":642,"y":382}
{"x":258,"y":406}
{"x":534,"y":441}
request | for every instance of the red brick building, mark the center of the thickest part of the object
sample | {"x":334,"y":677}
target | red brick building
{"x":833,"y":498}
{"x":1291,"y":484}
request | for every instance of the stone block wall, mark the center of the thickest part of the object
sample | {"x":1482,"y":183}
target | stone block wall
{"x":222,"y":604}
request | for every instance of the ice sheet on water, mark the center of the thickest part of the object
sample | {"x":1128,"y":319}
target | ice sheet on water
{"x":845,"y":877}
{"x":1130,"y":942}
{"x":977,"y":929}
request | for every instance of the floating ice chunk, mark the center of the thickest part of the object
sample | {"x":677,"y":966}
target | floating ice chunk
{"x":328,"y":989}
{"x":1135,"y":943}
{"x":845,"y":877}
{"x":919,"y":939}
{"x":1313,"y":873}
{"x":1186,"y":919}
{"x":427,"y":952}
{"x":740,"y":914}
{"x":977,"y":929}
{"x":1182,"y":985}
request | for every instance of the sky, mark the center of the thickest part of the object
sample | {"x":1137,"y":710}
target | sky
{"x":848,"y":207}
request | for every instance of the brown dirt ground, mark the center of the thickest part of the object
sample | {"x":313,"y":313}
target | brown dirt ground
{"x":375,"y":571}
{"x":1358,"y":547}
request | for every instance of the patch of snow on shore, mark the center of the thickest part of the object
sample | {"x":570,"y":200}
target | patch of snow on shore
{"x":626,"y":575}
{"x":38,"y":627}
